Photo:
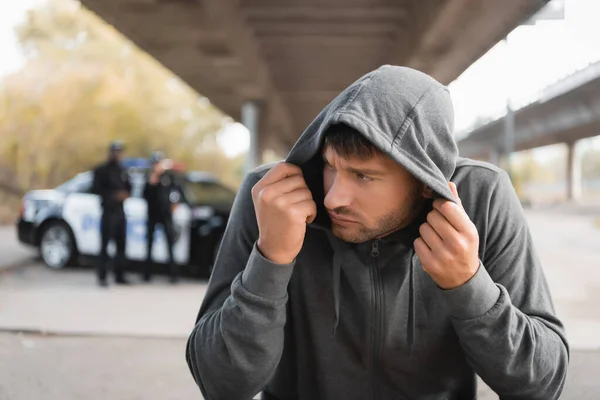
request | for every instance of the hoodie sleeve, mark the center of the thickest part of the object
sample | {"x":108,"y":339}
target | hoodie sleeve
{"x":237,"y":342}
{"x":504,"y":315}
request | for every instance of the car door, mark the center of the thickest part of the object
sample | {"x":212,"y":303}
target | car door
{"x":82,"y":211}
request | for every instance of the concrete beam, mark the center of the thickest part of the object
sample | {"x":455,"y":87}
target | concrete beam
{"x":285,"y":29}
{"x":567,"y":117}
{"x":233,"y":51}
{"x":224,"y":16}
{"x":459,"y":32}
{"x":348,"y":13}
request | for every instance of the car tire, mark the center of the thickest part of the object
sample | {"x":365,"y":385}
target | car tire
{"x":57,"y":246}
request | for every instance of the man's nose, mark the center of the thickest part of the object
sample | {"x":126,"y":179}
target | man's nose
{"x":339,"y":195}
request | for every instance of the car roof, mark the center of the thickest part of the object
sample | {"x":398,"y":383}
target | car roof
{"x":141,"y":163}
{"x":137,"y":172}
{"x":201,"y":177}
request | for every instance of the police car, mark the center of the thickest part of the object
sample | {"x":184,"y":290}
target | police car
{"x":64,"y":223}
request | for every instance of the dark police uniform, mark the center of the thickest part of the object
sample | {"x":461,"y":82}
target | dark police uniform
{"x":158,"y":197}
{"x":109,"y":179}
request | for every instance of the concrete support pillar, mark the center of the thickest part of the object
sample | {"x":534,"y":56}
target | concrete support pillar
{"x":494,"y":157}
{"x":250,"y":119}
{"x":573,"y":172}
{"x":509,"y":138}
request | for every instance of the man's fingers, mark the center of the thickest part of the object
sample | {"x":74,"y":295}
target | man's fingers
{"x":286,"y":185}
{"x":308,"y":209}
{"x":440,"y":224}
{"x":279,"y":172}
{"x":431,"y":238}
{"x":423,"y":251}
{"x":454,"y":214}
{"x":296,"y":196}
{"x":452,"y":186}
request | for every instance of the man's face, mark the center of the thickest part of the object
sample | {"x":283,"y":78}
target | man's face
{"x":118,"y":154}
{"x":368,"y":199}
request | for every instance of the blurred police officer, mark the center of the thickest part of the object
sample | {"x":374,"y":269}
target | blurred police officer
{"x":111,"y":182}
{"x":161,"y":197}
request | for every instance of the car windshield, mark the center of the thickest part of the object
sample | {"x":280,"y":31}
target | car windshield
{"x":209,"y":193}
{"x":198,"y":190}
{"x":80,"y":183}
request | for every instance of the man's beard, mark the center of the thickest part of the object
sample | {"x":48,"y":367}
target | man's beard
{"x":390,"y":222}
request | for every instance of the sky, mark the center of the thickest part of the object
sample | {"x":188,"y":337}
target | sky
{"x":11,"y":13}
{"x":532,"y":58}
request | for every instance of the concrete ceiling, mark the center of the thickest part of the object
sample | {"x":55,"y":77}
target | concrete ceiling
{"x":295,"y":56}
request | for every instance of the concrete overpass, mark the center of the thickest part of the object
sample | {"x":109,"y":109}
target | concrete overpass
{"x":274,"y":64}
{"x":565,"y":113}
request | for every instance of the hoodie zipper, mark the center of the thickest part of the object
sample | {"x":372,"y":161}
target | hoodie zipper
{"x":376,"y":327}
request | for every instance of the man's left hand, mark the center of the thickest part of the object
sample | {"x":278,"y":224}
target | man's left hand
{"x":449,"y":244}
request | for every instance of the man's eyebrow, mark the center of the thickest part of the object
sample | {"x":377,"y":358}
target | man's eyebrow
{"x":363,"y":171}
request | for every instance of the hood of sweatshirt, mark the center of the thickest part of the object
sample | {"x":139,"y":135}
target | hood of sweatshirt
{"x":409,"y":116}
{"x":405,"y":113}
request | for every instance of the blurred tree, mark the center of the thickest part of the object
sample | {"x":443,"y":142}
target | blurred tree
{"x":590,"y":163}
{"x":526,"y":169}
{"x":84,"y":85}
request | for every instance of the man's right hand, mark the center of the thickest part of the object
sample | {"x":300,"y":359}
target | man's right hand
{"x":283,"y":205}
{"x":159,"y":168}
{"x":121,"y":195}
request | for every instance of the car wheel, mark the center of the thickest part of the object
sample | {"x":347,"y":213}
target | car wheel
{"x":57,"y":247}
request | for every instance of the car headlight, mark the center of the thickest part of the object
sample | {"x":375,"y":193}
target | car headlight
{"x":29,"y":210}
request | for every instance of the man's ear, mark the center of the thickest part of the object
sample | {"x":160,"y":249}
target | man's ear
{"x":427,"y":192}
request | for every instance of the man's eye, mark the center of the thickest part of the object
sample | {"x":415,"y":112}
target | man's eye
{"x":363,"y":177}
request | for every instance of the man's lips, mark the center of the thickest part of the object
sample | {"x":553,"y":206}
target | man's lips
{"x":338,"y":218}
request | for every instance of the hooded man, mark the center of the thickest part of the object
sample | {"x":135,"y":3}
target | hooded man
{"x":376,"y":264}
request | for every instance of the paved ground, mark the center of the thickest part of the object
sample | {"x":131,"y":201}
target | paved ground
{"x":93,"y":368}
{"x":100,"y":368}
{"x":12,"y":254}
{"x":568,"y":243}
{"x":35,"y":298}
{"x":135,"y":336}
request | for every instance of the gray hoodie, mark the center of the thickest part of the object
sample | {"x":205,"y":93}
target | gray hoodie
{"x":364,"y":321}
